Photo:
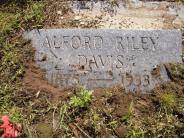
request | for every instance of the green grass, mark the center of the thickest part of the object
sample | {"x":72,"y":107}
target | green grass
{"x":177,"y":71}
{"x":68,"y":112}
{"x":128,"y":116}
{"x":11,"y":59}
{"x":31,"y":16}
{"x":82,"y":100}
{"x":34,"y":14}
{"x":136,"y":134}
{"x":8,"y":22}
{"x":167,"y":100}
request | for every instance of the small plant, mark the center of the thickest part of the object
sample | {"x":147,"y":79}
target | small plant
{"x":8,"y":22}
{"x":136,"y":134}
{"x":167,"y":100}
{"x":34,"y":12}
{"x":62,"y":113}
{"x":114,"y":2}
{"x":177,"y":71}
{"x":96,"y":121}
{"x":113,"y":124}
{"x":81,"y":101}
{"x":126,"y":118}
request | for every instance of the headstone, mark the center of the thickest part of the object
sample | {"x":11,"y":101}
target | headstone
{"x":96,"y":58}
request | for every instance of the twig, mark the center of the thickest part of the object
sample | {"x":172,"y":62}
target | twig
{"x":74,"y":130}
{"x":82,"y":131}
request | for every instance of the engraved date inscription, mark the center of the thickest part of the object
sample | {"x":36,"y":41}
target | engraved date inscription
{"x":135,"y":80}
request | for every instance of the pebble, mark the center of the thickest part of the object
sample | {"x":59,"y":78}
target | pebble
{"x":82,"y":23}
{"x":59,"y":12}
{"x":77,"y":18}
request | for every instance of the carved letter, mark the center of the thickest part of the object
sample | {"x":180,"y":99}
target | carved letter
{"x":65,"y":41}
{"x":76,"y":42}
{"x":129,"y":79}
{"x":50,"y":48}
{"x":137,"y":80}
{"x":106,"y":61}
{"x":154,"y":42}
{"x":120,"y":62}
{"x":82,"y":62}
{"x":131,"y":43}
{"x":98,"y":42}
{"x":93,"y":61}
{"x":144,"y":41}
{"x":102,"y":61}
{"x":54,"y":42}
{"x":146,"y":81}
{"x":119,"y":43}
{"x":87,"y":42}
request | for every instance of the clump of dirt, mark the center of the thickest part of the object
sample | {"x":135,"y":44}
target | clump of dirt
{"x":116,"y":98}
{"x":35,"y":79}
{"x":156,"y":72}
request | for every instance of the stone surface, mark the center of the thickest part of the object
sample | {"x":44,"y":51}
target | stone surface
{"x":96,"y":58}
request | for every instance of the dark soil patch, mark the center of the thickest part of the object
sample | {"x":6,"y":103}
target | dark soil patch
{"x":35,"y":79}
{"x":115,"y":98}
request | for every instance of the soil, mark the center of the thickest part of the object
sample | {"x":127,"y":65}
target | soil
{"x":35,"y":79}
{"x":41,"y":101}
{"x":109,"y":104}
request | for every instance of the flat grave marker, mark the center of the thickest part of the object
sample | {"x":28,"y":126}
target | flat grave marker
{"x":96,"y":58}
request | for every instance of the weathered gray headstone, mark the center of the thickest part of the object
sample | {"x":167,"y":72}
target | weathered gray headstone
{"x":95,"y":58}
